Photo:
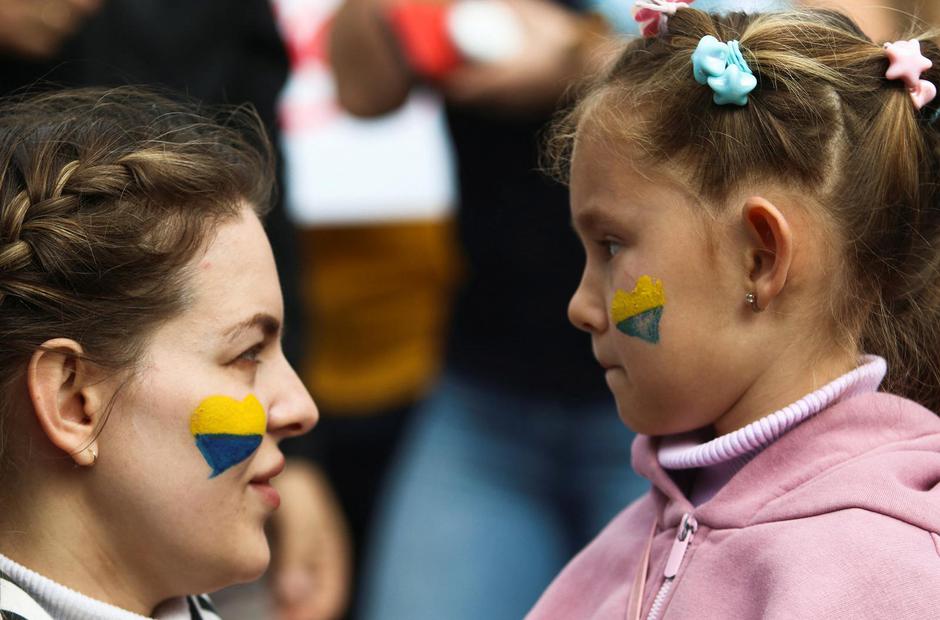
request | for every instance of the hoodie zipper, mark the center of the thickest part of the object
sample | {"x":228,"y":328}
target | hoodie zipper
{"x":687,"y":529}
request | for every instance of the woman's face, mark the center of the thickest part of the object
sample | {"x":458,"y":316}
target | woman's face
{"x":191,"y":441}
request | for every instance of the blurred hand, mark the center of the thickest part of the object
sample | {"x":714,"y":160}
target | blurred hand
{"x":37,"y":28}
{"x":550,"y":59}
{"x":879,"y":20}
{"x":312,"y":557}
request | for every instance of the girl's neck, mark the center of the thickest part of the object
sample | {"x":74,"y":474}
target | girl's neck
{"x":791,"y":375}
{"x":52,"y":532}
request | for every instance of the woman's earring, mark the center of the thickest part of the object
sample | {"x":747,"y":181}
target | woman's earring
{"x":94,"y":456}
{"x":751,"y":300}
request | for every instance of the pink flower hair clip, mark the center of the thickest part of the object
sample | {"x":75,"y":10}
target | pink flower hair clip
{"x":907,"y":65}
{"x":653,"y":15}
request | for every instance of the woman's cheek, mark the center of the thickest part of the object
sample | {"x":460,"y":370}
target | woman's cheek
{"x":227,"y":431}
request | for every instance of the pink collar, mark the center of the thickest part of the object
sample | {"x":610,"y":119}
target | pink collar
{"x":686,"y":451}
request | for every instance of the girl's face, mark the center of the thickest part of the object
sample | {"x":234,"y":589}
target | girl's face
{"x":185,"y":458}
{"x":661,"y":303}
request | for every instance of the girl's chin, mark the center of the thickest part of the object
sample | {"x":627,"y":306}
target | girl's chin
{"x":627,"y":412}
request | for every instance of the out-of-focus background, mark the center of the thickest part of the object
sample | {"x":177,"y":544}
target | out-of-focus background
{"x":467,"y":446}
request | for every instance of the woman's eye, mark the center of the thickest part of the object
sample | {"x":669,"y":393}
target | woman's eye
{"x":250,"y":356}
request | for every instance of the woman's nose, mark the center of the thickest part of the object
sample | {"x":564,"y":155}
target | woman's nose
{"x":586,"y":310}
{"x":292,"y":411}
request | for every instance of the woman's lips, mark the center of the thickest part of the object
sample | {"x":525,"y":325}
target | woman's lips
{"x":262,"y":483}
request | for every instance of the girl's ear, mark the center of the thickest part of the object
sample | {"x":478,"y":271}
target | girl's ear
{"x":66,"y":398}
{"x":770,"y":249}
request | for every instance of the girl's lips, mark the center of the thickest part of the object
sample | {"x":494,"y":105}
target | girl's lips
{"x":268,"y":494}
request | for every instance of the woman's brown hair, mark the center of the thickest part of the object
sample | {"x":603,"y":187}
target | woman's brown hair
{"x":824,"y":120}
{"x":105,"y":196}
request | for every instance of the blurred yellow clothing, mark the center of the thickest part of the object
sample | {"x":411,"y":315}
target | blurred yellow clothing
{"x":377,"y":298}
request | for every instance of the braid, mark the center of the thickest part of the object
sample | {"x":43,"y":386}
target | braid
{"x":41,"y":229}
{"x":105,"y":197}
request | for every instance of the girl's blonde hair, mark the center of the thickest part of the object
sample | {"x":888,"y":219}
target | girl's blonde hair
{"x":105,"y":196}
{"x":824,"y":120}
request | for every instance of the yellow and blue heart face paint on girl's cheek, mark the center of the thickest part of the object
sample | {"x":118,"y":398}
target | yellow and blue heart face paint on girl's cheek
{"x":227,"y":431}
{"x":638,"y":313}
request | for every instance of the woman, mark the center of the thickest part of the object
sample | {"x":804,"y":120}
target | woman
{"x":143,"y":389}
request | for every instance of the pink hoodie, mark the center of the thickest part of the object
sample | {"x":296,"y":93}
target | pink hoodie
{"x":839,"y":518}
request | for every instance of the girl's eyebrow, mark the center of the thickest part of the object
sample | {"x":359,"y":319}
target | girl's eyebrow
{"x":269,"y":325}
{"x":591,"y":218}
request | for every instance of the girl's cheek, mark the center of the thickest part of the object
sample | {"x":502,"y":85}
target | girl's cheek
{"x":227,"y":431}
{"x":637,"y":313}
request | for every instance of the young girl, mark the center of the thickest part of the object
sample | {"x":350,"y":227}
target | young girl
{"x":758,"y":201}
{"x":143,"y":389}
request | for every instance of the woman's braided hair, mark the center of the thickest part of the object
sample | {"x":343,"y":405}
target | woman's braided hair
{"x":105,"y":196}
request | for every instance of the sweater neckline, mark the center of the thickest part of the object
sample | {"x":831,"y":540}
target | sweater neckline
{"x":688,"y":451}
{"x":64,"y":603}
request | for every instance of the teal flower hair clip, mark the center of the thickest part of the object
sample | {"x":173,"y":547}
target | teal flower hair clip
{"x":722,"y":67}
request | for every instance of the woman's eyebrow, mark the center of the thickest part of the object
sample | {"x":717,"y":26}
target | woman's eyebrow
{"x":269,"y":325}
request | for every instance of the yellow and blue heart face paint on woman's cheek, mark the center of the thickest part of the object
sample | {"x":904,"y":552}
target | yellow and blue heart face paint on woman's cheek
{"x":227,"y":431}
{"x":638,"y":313}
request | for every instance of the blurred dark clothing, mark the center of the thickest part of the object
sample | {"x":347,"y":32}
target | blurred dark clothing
{"x":510,"y":325}
{"x":217,"y":51}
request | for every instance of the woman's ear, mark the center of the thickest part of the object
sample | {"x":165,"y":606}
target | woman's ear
{"x":66,"y":398}
{"x":770,"y":249}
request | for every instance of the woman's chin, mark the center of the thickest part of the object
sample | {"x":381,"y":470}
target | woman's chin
{"x":256,"y":566}
{"x":250,"y":564}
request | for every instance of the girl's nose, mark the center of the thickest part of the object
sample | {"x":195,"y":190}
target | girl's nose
{"x":292,"y":411}
{"x":586,"y":310}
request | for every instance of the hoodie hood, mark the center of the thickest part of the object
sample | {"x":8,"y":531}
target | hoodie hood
{"x":839,"y":518}
{"x":877,"y":452}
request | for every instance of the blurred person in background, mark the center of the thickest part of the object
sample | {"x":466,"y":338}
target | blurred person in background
{"x":518,"y":456}
{"x":372,"y":200}
{"x":223,"y":53}
{"x":884,"y":21}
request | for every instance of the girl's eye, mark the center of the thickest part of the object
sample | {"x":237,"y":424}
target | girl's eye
{"x":612,"y":247}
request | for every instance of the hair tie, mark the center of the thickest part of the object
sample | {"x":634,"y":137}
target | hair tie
{"x":907,"y":65}
{"x":653,"y":15}
{"x":722,"y":67}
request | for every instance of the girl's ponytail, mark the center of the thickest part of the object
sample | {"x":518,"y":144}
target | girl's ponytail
{"x":904,"y":325}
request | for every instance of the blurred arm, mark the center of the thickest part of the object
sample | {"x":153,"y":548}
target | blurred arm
{"x":561,"y":47}
{"x":879,"y":20}
{"x":312,"y":554}
{"x":371,"y":78}
{"x":36,"y":30}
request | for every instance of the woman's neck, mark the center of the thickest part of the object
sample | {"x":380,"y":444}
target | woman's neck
{"x":48,"y":529}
